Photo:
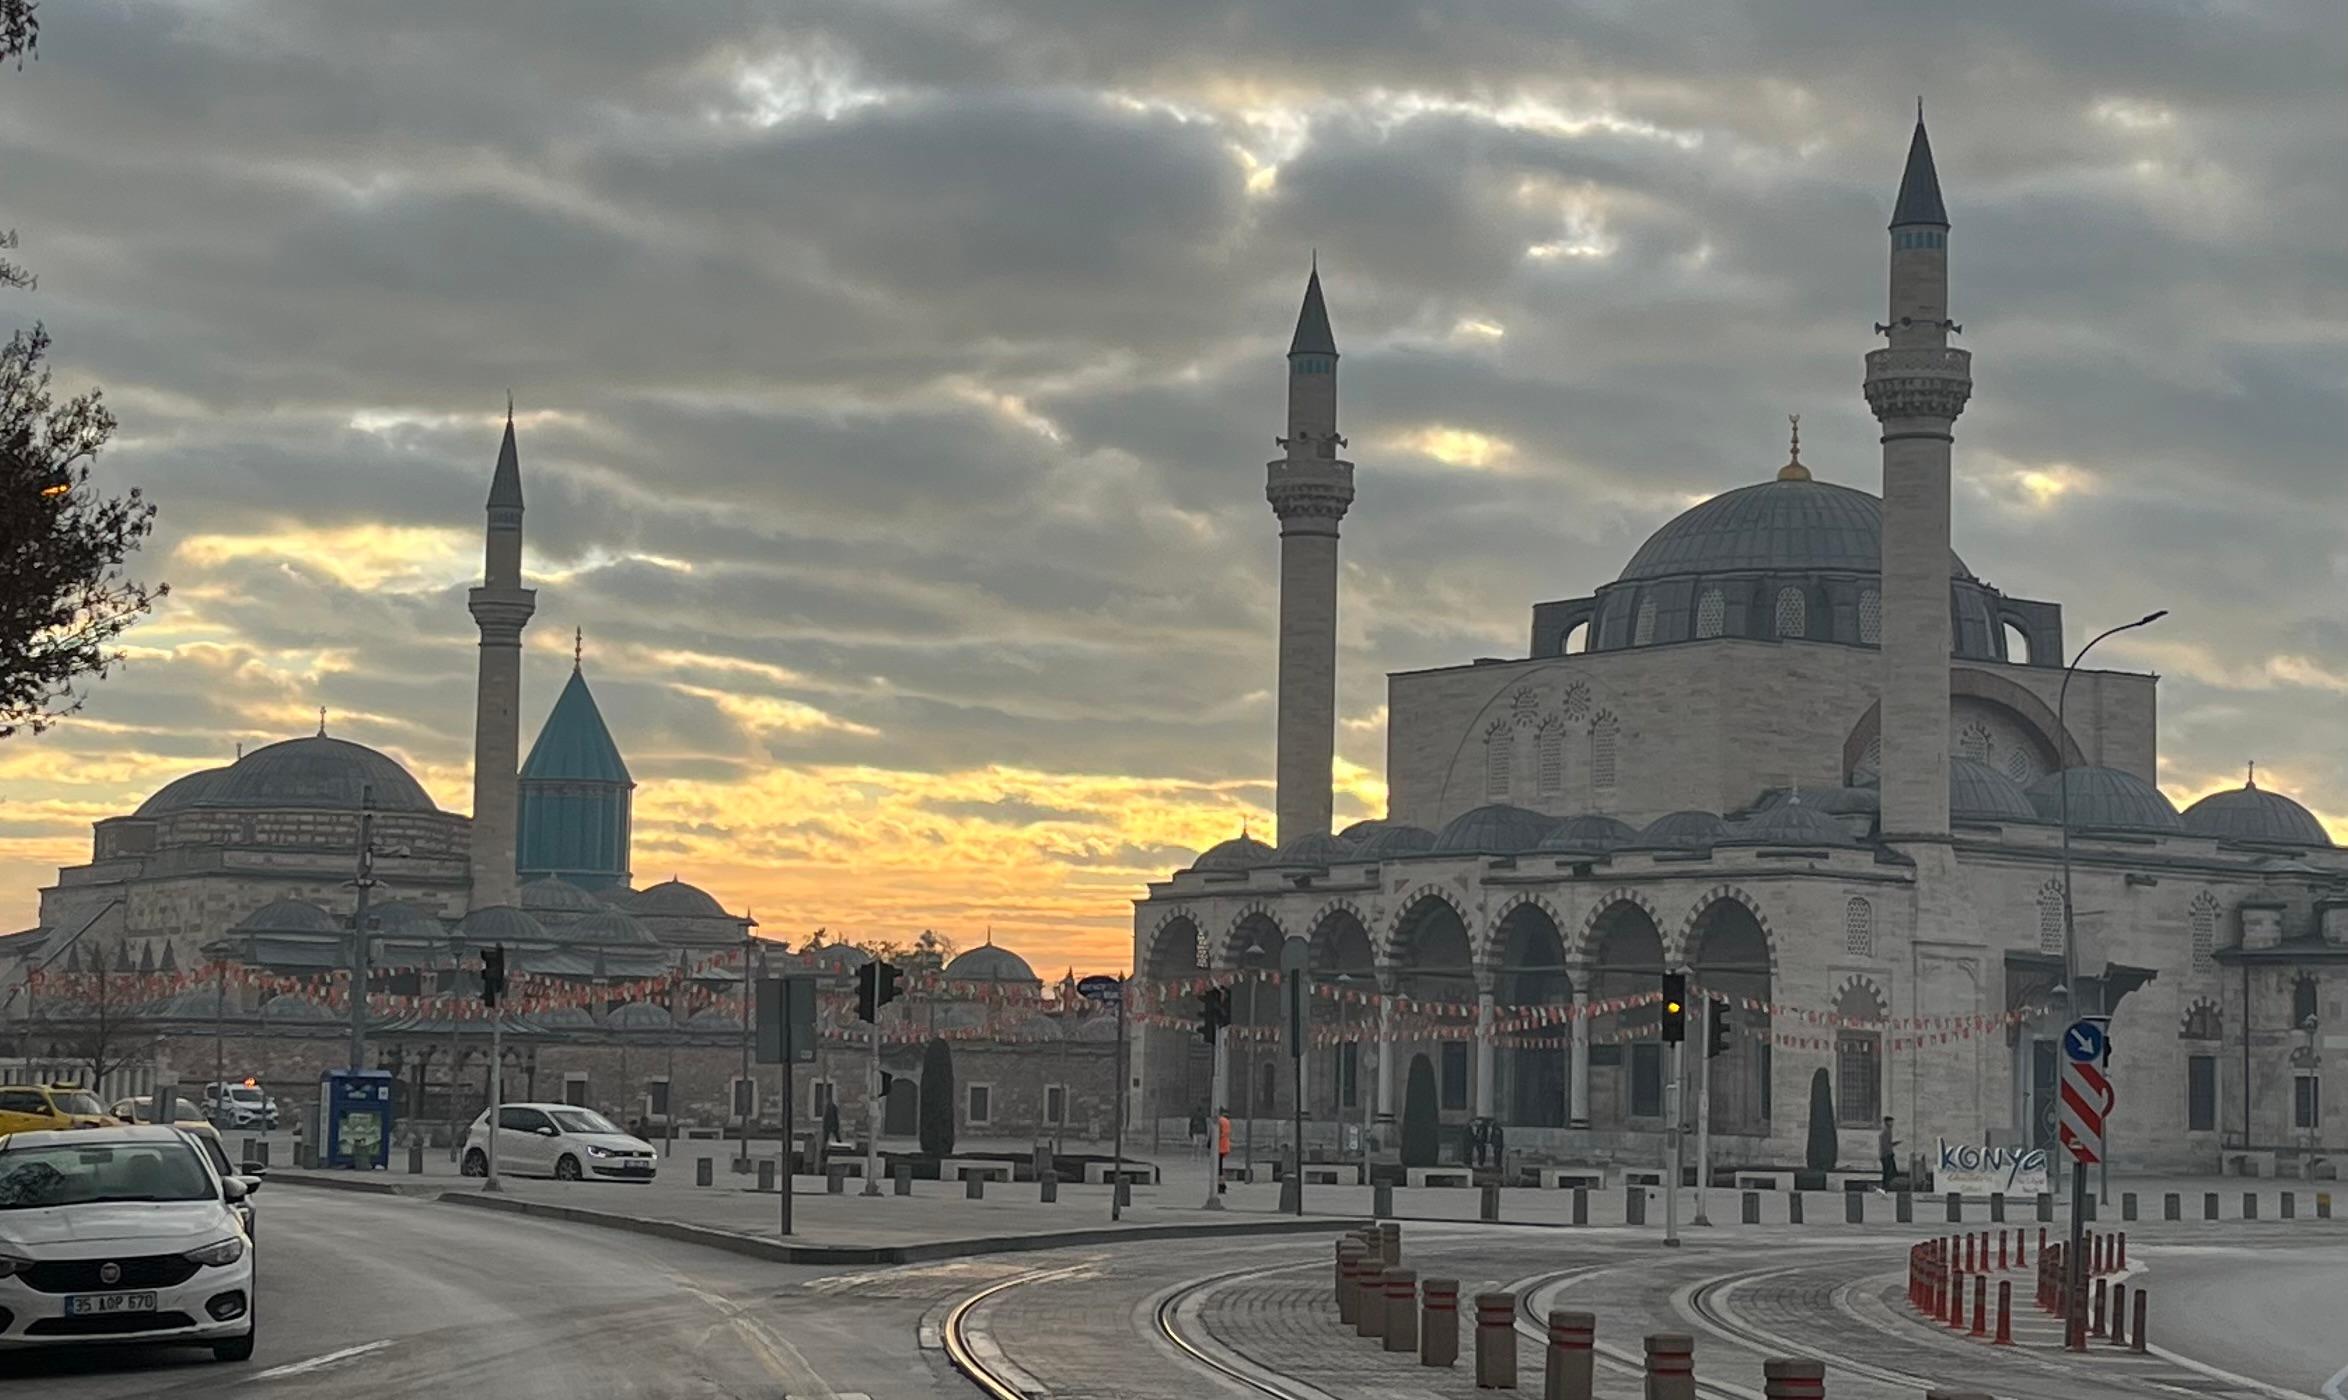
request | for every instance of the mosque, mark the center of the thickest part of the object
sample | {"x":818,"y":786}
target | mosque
{"x":1799,"y":750}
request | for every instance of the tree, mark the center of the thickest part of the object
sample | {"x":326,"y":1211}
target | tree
{"x":1421,"y":1134}
{"x":937,"y":1100}
{"x":63,"y":597}
{"x":1825,"y":1146}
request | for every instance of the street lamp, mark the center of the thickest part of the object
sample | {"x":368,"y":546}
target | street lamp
{"x":2063,"y":785}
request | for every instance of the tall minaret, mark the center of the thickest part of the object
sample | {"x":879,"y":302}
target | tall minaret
{"x":1309,"y":489}
{"x":1917,"y":386}
{"x":501,"y":608}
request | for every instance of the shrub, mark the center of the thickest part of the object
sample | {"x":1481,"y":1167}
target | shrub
{"x":1825,"y":1144}
{"x":1421,"y":1135}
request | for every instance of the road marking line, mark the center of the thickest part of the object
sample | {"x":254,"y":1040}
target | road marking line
{"x":319,"y":1363}
{"x":2332,"y":1386}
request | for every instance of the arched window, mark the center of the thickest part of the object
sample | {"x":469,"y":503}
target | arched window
{"x":1711,"y":613}
{"x":1499,"y":756}
{"x":2017,"y":645}
{"x":1575,"y":640}
{"x":1643,"y":630}
{"x":2050,"y":918}
{"x":2303,"y":1005}
{"x":1858,"y":1057}
{"x":1793,"y":613}
{"x":1549,"y":758}
{"x":1870,"y":617}
{"x":1859,"y":929}
{"x":1602,"y":741}
{"x":2204,"y":918}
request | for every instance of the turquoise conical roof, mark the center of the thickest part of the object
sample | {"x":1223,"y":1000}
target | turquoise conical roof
{"x":574,"y":745}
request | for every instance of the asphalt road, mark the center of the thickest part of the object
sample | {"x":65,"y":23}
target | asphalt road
{"x":2275,"y":1311}
{"x":384,"y":1296}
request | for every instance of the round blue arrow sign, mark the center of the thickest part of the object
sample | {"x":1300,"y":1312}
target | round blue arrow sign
{"x":2083,"y":1043}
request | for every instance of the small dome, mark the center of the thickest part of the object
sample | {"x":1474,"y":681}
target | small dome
{"x":501,"y":923}
{"x":988,"y":963}
{"x":2104,"y":799}
{"x":639,"y":1016}
{"x":714,"y":1018}
{"x":1097,"y":1030}
{"x":289,"y":916}
{"x":1238,"y":853}
{"x":197,"y":1003}
{"x":2251,"y":813}
{"x":404,"y":916}
{"x":609,"y":928}
{"x":1685,"y":830}
{"x":1394,"y":839}
{"x":564,"y":1018}
{"x":835,"y":957}
{"x":673,"y":898}
{"x":1363,"y":828}
{"x":309,"y":772}
{"x":1494,"y":829}
{"x":1834,"y":801}
{"x":1788,"y":824}
{"x":1313,"y":848}
{"x":555,"y":896}
{"x":288,"y":1006}
{"x":1978,"y":792}
{"x":1589,"y":832}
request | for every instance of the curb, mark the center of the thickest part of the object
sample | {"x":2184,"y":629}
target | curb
{"x":365,"y":1185}
{"x":776,"y":1251}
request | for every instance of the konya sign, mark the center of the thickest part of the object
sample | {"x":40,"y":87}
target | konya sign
{"x":1990,"y":1171}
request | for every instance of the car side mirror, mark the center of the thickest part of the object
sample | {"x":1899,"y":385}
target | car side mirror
{"x":236,"y":1188}
{"x":545,"y":1131}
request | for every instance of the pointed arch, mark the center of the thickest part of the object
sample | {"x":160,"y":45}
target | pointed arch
{"x":1859,"y":999}
{"x":1409,"y":906}
{"x":1584,"y":946}
{"x":1176,"y":945}
{"x":1488,"y":944}
{"x":1683,"y":947}
{"x":1255,"y":925}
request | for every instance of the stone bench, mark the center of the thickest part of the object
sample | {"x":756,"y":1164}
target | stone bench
{"x":1246,"y":1171}
{"x":1140,"y":1174}
{"x":1331,"y":1174}
{"x":960,"y":1168}
{"x":1438,"y":1176}
{"x":1642,"y":1177}
{"x":1760,"y":1181}
{"x":847,"y":1166}
{"x":1568,"y":1178}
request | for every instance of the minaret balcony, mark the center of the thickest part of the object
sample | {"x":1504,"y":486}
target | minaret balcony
{"x":502,"y":613}
{"x":1919,"y":382}
{"x":1309,"y":489}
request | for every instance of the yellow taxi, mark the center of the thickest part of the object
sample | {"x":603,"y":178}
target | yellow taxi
{"x":32,"y":1108}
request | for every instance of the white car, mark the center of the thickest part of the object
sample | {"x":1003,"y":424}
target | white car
{"x":558,"y":1140}
{"x":125,"y":1236}
{"x":240,"y":1106}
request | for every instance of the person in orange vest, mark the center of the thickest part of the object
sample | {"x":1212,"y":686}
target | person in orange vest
{"x":1222,"y":1148}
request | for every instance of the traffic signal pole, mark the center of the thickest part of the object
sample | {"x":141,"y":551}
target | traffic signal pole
{"x":493,"y":992}
{"x":1679,"y":1058}
{"x":875,"y":1106}
{"x":1704,"y":1113}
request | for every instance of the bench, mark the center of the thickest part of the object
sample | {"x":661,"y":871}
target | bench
{"x":1643,"y":1177}
{"x":845,"y":1165}
{"x":1438,"y":1176}
{"x":1247,"y":1171}
{"x":1570,"y":1178}
{"x":963,"y":1168}
{"x":1140,"y":1174}
{"x":1332,"y":1174}
{"x":1756,"y":1181}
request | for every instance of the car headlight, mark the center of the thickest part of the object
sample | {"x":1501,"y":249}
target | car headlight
{"x":10,"y":1265}
{"x":228,"y":1251}
{"x":594,"y":1151}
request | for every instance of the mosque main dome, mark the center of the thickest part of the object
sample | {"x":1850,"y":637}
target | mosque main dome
{"x":1791,"y":524}
{"x":309,"y":772}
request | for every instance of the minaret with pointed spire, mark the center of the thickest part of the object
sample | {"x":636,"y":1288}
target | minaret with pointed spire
{"x":1917,"y":385}
{"x":501,"y":608}
{"x":1310,"y":488}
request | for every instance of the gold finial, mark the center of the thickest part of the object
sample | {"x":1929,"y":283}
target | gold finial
{"x":578,"y":646}
{"x":321,"y":721}
{"x":2252,"y":780}
{"x":1793,"y":470}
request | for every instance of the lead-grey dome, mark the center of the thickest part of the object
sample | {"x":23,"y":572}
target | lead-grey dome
{"x":1496,"y":829}
{"x":1685,"y":830}
{"x":2104,"y":799}
{"x":501,"y":923}
{"x":288,"y":916}
{"x":638,"y":1016}
{"x":1783,"y":526}
{"x":311,"y":772}
{"x":2252,"y":813}
{"x":1238,"y":853}
{"x":1313,"y":848}
{"x":290,"y":1006}
{"x":1394,"y":839}
{"x":1363,"y":829}
{"x":556,"y":896}
{"x":988,"y":963}
{"x":1790,"y":823}
{"x":1589,"y":832}
{"x":1978,"y":792}
{"x":610,"y":929}
{"x":673,"y":898}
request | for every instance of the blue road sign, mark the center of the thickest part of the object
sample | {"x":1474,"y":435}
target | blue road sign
{"x":2083,"y":1043}
{"x":1104,"y":989}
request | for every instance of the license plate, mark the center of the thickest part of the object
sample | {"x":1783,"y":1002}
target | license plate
{"x":97,"y":1304}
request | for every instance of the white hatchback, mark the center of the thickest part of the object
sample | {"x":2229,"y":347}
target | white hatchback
{"x":122,"y":1235}
{"x":558,"y":1140}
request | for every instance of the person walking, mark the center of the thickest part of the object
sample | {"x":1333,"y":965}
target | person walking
{"x":1222,"y":1150}
{"x":1497,"y":1144}
{"x":1198,"y":1130}
{"x":1884,"y":1143}
{"x":831,"y":1135}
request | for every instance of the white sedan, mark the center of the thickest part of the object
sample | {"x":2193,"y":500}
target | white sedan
{"x":122,"y":1235}
{"x":558,"y":1140}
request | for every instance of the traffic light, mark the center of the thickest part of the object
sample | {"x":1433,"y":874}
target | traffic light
{"x":1716,"y":1034}
{"x":1675,"y":1007}
{"x":492,"y":974}
{"x":1214,"y":1013}
{"x":877,"y":984}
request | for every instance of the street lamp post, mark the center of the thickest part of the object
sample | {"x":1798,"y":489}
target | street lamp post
{"x":2063,"y":790}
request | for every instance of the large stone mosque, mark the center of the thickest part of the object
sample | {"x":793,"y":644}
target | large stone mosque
{"x":1798,"y":749}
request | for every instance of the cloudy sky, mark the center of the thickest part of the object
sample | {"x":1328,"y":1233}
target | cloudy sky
{"x":895,"y":378}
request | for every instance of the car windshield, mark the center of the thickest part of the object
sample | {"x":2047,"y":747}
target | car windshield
{"x":80,"y":1174}
{"x":81,"y":1103}
{"x":581,"y":1120}
{"x":242,"y":1094}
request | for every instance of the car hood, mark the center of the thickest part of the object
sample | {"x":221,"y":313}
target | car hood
{"x":159,"y":1226}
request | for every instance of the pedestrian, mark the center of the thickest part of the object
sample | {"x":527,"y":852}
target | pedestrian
{"x":1198,"y":1129}
{"x":1222,"y":1148}
{"x":1884,"y":1143}
{"x":1497,"y":1144}
{"x":831,"y":1124}
{"x":1467,"y":1143}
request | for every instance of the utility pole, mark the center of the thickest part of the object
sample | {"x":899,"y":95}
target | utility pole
{"x":1704,"y":1112}
{"x":492,"y":994}
{"x":1117,"y":1170}
{"x":875,"y":1104}
{"x":752,"y":1111}
{"x":365,"y":880}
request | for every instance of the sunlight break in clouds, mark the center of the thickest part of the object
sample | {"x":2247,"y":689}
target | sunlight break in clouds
{"x":390,"y":558}
{"x":1457,"y":447}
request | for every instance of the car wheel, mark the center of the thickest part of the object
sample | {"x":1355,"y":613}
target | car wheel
{"x":238,"y":1348}
{"x":567,"y":1169}
{"x":475,"y":1163}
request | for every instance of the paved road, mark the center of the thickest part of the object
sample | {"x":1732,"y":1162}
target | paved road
{"x":383,"y":1297}
{"x":2272,"y":1311}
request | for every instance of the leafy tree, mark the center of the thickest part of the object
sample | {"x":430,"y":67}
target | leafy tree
{"x":1825,"y":1145}
{"x":1421,"y":1134}
{"x":937,"y":1099}
{"x":63,"y":597}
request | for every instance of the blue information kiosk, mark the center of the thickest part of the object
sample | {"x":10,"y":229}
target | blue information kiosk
{"x":356,"y":1104}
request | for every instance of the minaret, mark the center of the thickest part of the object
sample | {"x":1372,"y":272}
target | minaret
{"x":501,"y":609}
{"x":1310,"y":489}
{"x":1917,"y":386}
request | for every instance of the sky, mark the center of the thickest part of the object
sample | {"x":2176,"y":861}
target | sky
{"x":894,"y":379}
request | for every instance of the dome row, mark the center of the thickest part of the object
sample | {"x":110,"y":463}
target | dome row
{"x":2099,"y":799}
